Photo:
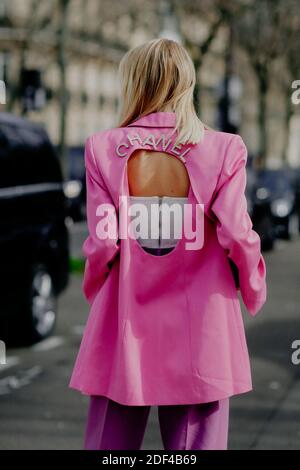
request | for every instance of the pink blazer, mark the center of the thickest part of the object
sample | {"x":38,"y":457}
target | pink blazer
{"x":168,"y":329}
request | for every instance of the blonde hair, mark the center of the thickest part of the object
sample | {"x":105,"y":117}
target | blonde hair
{"x":160,"y":75}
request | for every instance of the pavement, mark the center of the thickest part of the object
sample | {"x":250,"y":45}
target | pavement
{"x":39,"y":411}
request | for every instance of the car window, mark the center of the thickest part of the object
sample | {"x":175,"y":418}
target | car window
{"x":27,"y":157}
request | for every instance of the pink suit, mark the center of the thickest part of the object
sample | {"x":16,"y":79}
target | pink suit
{"x":168,"y":330}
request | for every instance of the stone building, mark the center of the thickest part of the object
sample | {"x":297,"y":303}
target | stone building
{"x":96,"y":33}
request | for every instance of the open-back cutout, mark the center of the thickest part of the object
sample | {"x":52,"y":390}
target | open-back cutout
{"x":153,"y":173}
{"x":160,"y":176}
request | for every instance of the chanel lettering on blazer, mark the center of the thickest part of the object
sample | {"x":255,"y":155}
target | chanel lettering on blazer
{"x":168,"y":329}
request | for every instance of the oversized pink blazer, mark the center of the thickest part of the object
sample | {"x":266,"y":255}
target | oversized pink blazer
{"x":168,"y":329}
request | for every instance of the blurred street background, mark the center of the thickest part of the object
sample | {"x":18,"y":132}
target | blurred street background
{"x":58,"y":84}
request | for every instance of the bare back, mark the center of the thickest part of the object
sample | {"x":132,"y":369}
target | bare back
{"x":152,"y":173}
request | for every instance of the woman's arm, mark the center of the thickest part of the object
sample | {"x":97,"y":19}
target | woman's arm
{"x":234,"y":227}
{"x":99,"y":252}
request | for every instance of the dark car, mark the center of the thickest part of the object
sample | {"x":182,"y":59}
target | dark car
{"x":294,"y":175}
{"x":278,"y":186}
{"x":75,"y":192}
{"x":34,"y":244}
{"x":75,"y":187}
{"x":297,"y":194}
{"x":259,"y":208}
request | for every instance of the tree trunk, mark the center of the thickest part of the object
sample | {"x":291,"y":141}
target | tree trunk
{"x":262,"y":112}
{"x":62,"y":63}
{"x":287,"y":120}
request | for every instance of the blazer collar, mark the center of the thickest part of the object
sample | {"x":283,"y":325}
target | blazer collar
{"x":156,"y":119}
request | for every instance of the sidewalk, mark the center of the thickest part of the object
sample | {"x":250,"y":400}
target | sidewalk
{"x":282,"y":430}
{"x":269,"y":416}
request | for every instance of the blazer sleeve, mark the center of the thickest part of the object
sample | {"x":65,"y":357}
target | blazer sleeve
{"x":234,"y":227}
{"x":100,"y":251}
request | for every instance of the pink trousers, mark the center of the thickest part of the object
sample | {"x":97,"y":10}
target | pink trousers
{"x":113,"y":426}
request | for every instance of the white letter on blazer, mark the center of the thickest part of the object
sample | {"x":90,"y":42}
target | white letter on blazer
{"x":150,"y":141}
{"x":164,"y":144}
{"x":132,"y":139}
{"x":118,"y":150}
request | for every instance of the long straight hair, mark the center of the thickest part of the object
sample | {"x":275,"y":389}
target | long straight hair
{"x":156,"y":76}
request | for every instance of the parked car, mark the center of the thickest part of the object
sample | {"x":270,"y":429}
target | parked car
{"x":294,"y":175}
{"x":297,"y":195}
{"x":75,"y":186}
{"x":34,"y":243}
{"x":75,"y":192}
{"x":278,"y":187}
{"x":259,"y":208}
